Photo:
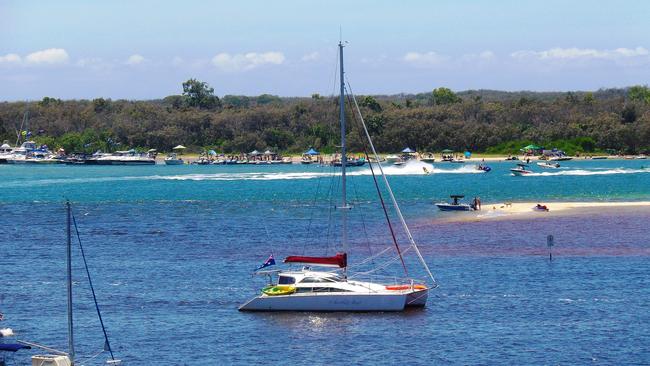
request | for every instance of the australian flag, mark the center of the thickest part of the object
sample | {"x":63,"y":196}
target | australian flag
{"x":269,"y":262}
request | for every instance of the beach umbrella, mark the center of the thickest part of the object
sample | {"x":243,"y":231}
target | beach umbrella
{"x":532,"y":147}
{"x":179,"y":147}
{"x":268,"y":152}
{"x":447,"y":151}
{"x":152,"y":150}
{"x":212,"y":152}
{"x":408,"y":150}
{"x":254,"y":153}
{"x":468,"y":154}
{"x":311,"y":151}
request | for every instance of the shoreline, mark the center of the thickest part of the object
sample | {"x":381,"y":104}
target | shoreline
{"x":476,"y":158}
{"x":526,"y":210}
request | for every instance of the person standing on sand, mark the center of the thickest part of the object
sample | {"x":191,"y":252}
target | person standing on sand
{"x":478,"y":203}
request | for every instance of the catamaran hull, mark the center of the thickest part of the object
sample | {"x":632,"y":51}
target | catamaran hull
{"x":417,"y":298}
{"x":328,"y":302}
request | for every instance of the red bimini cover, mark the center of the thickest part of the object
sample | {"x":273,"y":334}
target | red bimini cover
{"x":339,"y":260}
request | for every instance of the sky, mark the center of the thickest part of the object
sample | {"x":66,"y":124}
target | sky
{"x":142,"y":49}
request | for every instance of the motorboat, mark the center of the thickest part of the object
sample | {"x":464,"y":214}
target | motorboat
{"x":174,"y":159}
{"x":130,"y":157}
{"x":331,"y":286}
{"x":428,"y":158}
{"x":560,"y":158}
{"x":520,"y":170}
{"x":5,"y":152}
{"x":350,"y":162}
{"x":30,"y":153}
{"x":391,"y":159}
{"x":455,"y":205}
{"x":548,"y":164}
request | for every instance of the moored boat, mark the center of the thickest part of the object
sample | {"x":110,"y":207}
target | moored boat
{"x":455,"y":205}
{"x":337,"y":289}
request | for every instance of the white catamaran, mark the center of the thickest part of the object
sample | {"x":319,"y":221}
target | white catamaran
{"x":310,"y":289}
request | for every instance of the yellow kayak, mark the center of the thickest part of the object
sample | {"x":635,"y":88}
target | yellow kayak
{"x":278,"y":290}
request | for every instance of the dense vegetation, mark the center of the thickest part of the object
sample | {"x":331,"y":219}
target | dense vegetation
{"x":480,"y":121}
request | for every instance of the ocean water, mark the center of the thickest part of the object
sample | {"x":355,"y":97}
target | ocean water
{"x":171,"y":250}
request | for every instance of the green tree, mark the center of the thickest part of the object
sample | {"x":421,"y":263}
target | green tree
{"x":199,"y":94}
{"x":371,"y":103}
{"x":444,"y":96}
{"x":639,"y":93}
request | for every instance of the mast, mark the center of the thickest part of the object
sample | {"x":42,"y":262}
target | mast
{"x":344,"y":201}
{"x":69,"y":285}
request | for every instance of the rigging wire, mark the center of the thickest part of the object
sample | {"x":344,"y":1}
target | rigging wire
{"x":363,"y":219}
{"x":92,"y":288}
{"x":381,"y":198}
{"x":390,"y":191}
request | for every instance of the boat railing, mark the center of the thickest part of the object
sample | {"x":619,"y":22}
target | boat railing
{"x":387,"y":279}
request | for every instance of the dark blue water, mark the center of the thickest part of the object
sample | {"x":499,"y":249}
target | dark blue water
{"x":171,"y":250}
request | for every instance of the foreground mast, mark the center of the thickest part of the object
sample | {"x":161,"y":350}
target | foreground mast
{"x":344,"y":202}
{"x":69,"y":286}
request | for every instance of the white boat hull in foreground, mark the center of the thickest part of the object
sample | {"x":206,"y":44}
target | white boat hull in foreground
{"x":327,"y":302}
{"x":337,"y":302}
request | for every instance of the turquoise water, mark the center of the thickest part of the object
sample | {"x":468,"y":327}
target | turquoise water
{"x":172,"y":248}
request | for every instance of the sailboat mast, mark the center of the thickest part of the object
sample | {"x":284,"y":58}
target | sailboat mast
{"x":344,"y":200}
{"x":69,"y":283}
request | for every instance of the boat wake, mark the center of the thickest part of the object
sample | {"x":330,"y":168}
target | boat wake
{"x":415,"y":167}
{"x":590,"y":172}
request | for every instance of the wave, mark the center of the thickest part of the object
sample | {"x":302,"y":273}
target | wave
{"x":590,"y":172}
{"x":410,"y":168}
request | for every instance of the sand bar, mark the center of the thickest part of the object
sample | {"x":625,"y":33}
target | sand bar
{"x":526,"y":210}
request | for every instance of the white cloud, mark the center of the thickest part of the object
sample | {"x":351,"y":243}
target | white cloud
{"x":311,"y":56}
{"x":487,"y":55}
{"x":49,"y":56}
{"x":177,"y":61}
{"x":484,"y":56}
{"x":248,"y":61}
{"x":424,"y":59}
{"x":135,"y":60}
{"x":10,"y":59}
{"x":581,"y":53}
{"x":94,"y":63}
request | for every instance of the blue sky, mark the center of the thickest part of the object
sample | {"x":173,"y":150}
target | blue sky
{"x":146,"y":49}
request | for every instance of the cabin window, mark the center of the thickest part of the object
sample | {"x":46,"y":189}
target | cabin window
{"x":312,"y":280}
{"x":285,"y":280}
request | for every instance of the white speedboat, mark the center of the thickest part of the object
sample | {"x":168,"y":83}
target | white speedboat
{"x":548,"y":164}
{"x":332,"y":287}
{"x":455,"y":205}
{"x":560,"y":158}
{"x":520,"y":170}
{"x":5,"y":152}
{"x":130,"y":157}
{"x":392,"y":159}
{"x":174,"y":159}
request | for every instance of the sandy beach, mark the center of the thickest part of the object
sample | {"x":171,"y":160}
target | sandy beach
{"x":527,"y":210}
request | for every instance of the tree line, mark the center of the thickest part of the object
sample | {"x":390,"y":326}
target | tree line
{"x":479,"y":121}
